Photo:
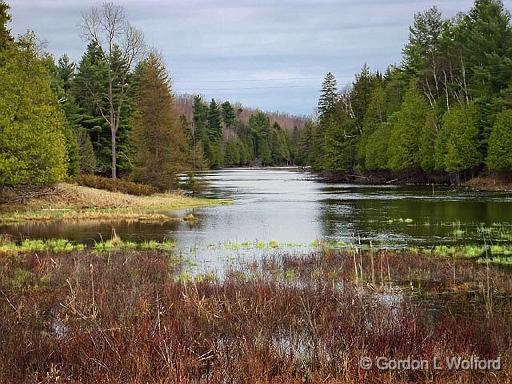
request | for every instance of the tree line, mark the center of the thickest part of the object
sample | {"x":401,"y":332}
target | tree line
{"x":113,"y":113}
{"x":447,"y":107}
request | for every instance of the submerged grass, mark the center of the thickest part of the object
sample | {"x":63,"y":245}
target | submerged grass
{"x":139,"y":316}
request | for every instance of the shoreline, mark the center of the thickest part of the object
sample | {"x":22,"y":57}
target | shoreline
{"x":491,"y":183}
{"x":73,"y":202}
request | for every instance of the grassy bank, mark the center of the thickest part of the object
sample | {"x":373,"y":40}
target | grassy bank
{"x":74,"y":202}
{"x":129,"y":318}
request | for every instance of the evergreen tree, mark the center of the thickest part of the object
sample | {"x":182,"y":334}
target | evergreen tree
{"x":161,"y":147}
{"x":374,"y":118}
{"x":5,"y":33}
{"x":214,"y":122}
{"x":87,"y":90}
{"x":410,"y":126}
{"x":215,"y":134}
{"x":499,"y":157}
{"x":32,"y":144}
{"x":279,"y":146}
{"x":119,"y":45}
{"x":328,"y":97}
{"x":87,"y":157}
{"x":66,"y":103}
{"x":376,"y":150}
{"x":228,"y":114}
{"x":459,"y":151}
{"x":339,"y":148}
{"x":260,"y":130}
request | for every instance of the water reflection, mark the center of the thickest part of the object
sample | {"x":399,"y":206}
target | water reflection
{"x":290,"y":206}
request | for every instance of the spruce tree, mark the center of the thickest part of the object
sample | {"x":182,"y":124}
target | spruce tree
{"x":328,"y":97}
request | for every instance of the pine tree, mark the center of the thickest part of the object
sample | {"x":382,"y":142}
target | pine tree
{"x":215,"y":134}
{"x":214,"y":122}
{"x":87,"y":91}
{"x":120,"y":46}
{"x":200,"y":128}
{"x":228,"y":114}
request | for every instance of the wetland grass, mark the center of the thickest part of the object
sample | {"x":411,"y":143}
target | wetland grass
{"x":139,"y":316}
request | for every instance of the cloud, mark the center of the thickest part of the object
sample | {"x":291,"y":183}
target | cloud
{"x":209,"y":44}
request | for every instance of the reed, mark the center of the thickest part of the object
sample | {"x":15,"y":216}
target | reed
{"x":138,"y":316}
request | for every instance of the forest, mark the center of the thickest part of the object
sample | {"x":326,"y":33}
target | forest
{"x":114,"y":113}
{"x":446,"y":108}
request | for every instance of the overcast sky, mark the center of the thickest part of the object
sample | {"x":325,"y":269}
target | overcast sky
{"x":271,"y":54}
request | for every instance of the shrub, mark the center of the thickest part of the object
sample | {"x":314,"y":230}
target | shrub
{"x":117,"y":185}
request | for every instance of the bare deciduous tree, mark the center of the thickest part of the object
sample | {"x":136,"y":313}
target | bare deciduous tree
{"x":108,"y":28}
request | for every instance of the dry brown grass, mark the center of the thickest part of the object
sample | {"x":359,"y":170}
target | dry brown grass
{"x":490,"y":183}
{"x":124,"y":318}
{"x":74,"y":202}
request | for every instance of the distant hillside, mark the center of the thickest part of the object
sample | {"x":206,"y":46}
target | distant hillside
{"x":288,"y":122}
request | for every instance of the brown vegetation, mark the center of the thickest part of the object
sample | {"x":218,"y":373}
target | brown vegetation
{"x":74,"y":202}
{"x":128,"y":317}
{"x":115,"y":185}
{"x":490,"y":183}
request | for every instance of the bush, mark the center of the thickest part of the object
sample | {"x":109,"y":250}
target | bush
{"x":117,"y":185}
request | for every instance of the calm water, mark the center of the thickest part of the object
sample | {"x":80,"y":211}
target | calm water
{"x":290,"y":206}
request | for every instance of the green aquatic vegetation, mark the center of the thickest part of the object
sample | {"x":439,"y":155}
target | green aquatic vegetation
{"x":153,"y":245}
{"x":474,"y":251}
{"x":294,"y":245}
{"x":115,"y":244}
{"x":38,"y":245}
{"x":444,"y":250}
{"x":234,"y":245}
{"x":501,"y":250}
{"x":273,"y":244}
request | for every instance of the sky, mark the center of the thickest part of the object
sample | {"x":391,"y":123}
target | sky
{"x":270,"y":54}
